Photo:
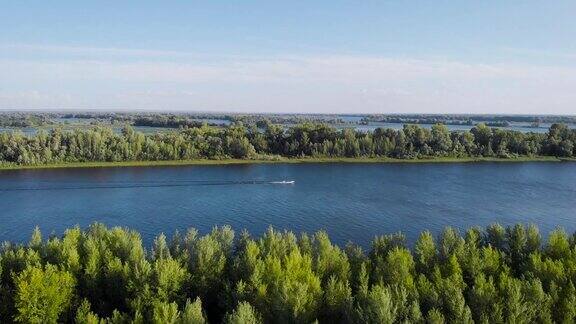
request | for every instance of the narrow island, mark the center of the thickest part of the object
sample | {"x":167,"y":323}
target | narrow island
{"x":265,"y":142}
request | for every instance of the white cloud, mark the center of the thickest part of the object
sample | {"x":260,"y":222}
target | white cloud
{"x":34,"y":99}
{"x":330,"y":83}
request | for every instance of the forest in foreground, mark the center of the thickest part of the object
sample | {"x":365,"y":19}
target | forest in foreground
{"x":271,"y":141}
{"x":106,"y":275}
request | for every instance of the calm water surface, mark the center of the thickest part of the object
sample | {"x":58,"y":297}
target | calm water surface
{"x":350,"y":201}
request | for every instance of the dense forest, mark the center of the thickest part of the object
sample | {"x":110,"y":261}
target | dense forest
{"x":271,"y":140}
{"x":102,"y":275}
{"x":25,"y":119}
{"x":165,"y":121}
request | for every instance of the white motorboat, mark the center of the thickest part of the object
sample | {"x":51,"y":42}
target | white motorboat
{"x":283,"y":182}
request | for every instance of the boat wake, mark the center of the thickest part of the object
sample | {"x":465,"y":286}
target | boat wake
{"x":144,"y":184}
{"x":283,"y":182}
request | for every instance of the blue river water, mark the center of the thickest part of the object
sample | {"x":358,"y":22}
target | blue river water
{"x":352,"y":202}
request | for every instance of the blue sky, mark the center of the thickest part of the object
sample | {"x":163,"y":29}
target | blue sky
{"x":290,"y":56}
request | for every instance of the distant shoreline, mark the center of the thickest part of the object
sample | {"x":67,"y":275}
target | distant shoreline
{"x":77,"y":165}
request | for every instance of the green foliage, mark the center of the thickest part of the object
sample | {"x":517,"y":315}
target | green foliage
{"x":169,"y":279}
{"x":85,"y":315}
{"x":243,"y":314}
{"x":398,"y":268}
{"x":425,"y":251}
{"x":192,"y":313}
{"x":287,"y":288}
{"x":165,"y":313}
{"x":104,"y":275}
{"x":376,"y":306}
{"x":196,"y":141}
{"x":435,"y":317}
{"x":42,"y":294}
{"x":338,"y":301}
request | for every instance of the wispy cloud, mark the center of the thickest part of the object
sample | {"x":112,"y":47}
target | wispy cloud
{"x":96,"y":78}
{"x":62,"y":52}
{"x":544,"y":54}
{"x":60,"y":49}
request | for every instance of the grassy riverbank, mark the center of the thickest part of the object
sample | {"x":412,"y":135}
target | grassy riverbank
{"x":279,"y":160}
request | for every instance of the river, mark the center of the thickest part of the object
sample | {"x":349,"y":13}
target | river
{"x":350,"y":201}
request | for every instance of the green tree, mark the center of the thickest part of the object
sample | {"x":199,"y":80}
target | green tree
{"x":441,"y":141}
{"x":165,"y":313}
{"x":243,"y":314}
{"x":193,"y":313}
{"x":377,"y":306}
{"x":425,"y":252}
{"x":85,"y":315}
{"x":42,"y":294}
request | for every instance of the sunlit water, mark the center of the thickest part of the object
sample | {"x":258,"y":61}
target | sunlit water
{"x":350,"y":201}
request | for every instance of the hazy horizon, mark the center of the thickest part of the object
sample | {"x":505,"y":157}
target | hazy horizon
{"x":409,"y":57}
{"x":201,"y":112}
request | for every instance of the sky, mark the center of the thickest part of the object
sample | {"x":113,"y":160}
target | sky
{"x":405,"y":56}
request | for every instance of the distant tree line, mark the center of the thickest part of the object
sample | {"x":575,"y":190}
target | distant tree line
{"x":190,"y":119}
{"x":288,"y":119}
{"x":165,"y":121}
{"x":102,"y":275}
{"x":460,"y":119}
{"x":160,"y":119}
{"x":172,"y":120}
{"x":304,"y":140}
{"x":143,"y":119}
{"x":129,"y":116}
{"x":24,"y":120}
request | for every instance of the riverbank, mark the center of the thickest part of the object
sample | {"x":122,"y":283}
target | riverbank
{"x":279,"y":160}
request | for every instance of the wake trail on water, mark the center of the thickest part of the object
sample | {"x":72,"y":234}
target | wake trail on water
{"x":147,"y":184}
